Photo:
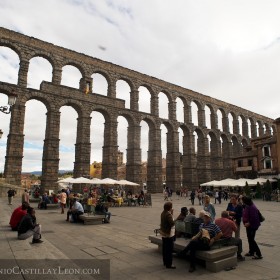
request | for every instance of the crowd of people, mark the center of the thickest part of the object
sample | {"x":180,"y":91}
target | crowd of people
{"x":210,"y":229}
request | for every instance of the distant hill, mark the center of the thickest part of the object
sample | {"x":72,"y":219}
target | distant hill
{"x":39,"y":173}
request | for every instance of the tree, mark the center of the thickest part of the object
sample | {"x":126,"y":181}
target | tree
{"x":268,"y":187}
{"x":258,"y":190}
{"x":247,"y":189}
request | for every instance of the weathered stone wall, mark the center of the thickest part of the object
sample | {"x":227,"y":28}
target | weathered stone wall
{"x":197,"y":166}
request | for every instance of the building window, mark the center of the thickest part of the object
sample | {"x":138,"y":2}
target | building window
{"x":240,"y":163}
{"x":250,"y":162}
{"x":266,"y":151}
{"x":267,"y":164}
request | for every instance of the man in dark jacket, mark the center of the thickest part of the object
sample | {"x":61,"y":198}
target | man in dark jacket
{"x":28,"y":227}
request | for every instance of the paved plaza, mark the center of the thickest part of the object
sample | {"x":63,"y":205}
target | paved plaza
{"x":125,"y":242}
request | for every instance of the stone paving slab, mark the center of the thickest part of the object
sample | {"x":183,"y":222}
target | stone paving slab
{"x":125,"y":242}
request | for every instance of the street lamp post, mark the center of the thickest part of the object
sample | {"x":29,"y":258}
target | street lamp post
{"x":11,"y":101}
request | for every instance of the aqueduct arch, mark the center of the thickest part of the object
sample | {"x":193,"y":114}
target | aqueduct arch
{"x":196,"y":166}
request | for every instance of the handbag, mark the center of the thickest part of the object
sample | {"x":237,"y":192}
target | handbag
{"x":261,"y":217}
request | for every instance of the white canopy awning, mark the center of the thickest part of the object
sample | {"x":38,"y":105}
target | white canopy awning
{"x":108,"y":181}
{"x":67,"y":180}
{"x":127,"y":183}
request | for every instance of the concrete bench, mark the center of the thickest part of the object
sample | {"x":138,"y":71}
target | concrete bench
{"x":91,"y":220}
{"x":216,"y":259}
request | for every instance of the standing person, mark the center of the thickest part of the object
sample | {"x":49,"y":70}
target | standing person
{"x":192,"y":197}
{"x":251,"y":221}
{"x":11,"y":194}
{"x":209,"y":207}
{"x":235,"y":211}
{"x":28,"y":227}
{"x":216,"y":196}
{"x":63,"y":198}
{"x":167,"y":230}
{"x":25,"y":196}
{"x":199,"y":196}
{"x":220,"y":197}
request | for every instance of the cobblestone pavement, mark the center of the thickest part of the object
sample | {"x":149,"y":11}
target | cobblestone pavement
{"x":125,"y":242}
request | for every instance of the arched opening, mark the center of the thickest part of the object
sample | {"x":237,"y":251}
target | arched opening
{"x":220,"y":120}
{"x":34,"y":131}
{"x":39,"y":70}
{"x":71,"y":76}
{"x":230,"y":123}
{"x":240,"y":123}
{"x":123,"y":92}
{"x":180,"y":110}
{"x":257,"y":129}
{"x":163,"y":105}
{"x":99,"y":84}
{"x":97,"y":142}
{"x":144,"y":144}
{"x":164,"y":151}
{"x":122,"y":143}
{"x":144,"y":100}
{"x":194,"y":109}
{"x":249,"y":128}
{"x":207,"y":111}
{"x":67,"y":135}
{"x":209,"y":143}
{"x":9,"y":65}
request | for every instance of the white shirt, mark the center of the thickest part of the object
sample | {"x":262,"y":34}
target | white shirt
{"x":78,"y":206}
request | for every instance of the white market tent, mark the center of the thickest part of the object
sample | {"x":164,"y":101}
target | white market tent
{"x":108,"y":181}
{"x":209,"y":184}
{"x":236,"y":183}
{"x":68,"y":180}
{"x":127,"y":183}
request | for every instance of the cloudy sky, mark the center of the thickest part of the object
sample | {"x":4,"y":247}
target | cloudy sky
{"x":225,"y":49}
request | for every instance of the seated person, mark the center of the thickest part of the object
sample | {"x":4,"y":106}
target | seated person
{"x":208,"y":234}
{"x":103,"y":209}
{"x":227,"y":227}
{"x":17,"y":215}
{"x":181,"y":217}
{"x":198,"y":221}
{"x":75,"y":211}
{"x":183,"y":214}
{"x":28,"y":227}
{"x":44,"y":201}
{"x":191,"y":216}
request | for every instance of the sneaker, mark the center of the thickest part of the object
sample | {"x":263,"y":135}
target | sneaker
{"x":37,"y":241}
{"x":257,"y":257}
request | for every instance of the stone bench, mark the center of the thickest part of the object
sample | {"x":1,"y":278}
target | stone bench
{"x":92,"y":220}
{"x":216,"y":259}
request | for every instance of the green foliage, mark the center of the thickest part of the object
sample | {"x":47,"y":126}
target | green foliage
{"x":278,"y":184}
{"x":268,"y":187}
{"x":258,"y":190}
{"x":247,"y":189}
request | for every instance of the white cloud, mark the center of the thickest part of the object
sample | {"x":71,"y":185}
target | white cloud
{"x":226,"y":49}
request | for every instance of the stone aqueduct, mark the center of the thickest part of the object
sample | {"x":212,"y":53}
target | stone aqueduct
{"x":196,"y":166}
